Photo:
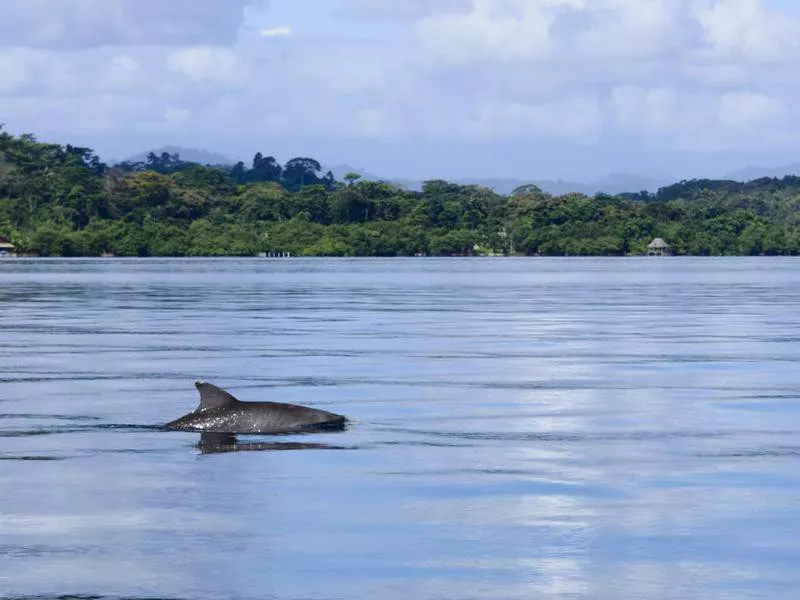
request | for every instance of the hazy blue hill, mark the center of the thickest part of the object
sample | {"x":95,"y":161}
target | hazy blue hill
{"x":203,"y":157}
{"x":751,"y":173}
{"x":619,"y":183}
{"x":615,"y":183}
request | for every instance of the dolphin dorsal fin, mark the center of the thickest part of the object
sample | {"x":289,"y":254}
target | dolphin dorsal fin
{"x":213,"y":397}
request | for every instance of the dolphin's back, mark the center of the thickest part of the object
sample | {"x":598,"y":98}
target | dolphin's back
{"x":220,"y":412}
{"x":269,"y":417}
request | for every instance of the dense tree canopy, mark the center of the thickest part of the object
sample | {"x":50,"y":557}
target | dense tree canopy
{"x":63,"y":201}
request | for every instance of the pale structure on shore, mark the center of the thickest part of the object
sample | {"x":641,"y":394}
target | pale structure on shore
{"x":658,"y":247}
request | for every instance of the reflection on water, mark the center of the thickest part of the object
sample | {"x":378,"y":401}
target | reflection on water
{"x":225,"y":442}
{"x":565,"y":429}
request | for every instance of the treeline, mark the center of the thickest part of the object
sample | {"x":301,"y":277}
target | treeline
{"x":296,"y":174}
{"x":64,"y":201}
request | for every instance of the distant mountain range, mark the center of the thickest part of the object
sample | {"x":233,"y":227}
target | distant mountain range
{"x":615,"y":183}
{"x":750,"y":173}
{"x":202,"y":157}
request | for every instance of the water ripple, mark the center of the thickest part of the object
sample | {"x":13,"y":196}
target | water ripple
{"x":559,"y":428}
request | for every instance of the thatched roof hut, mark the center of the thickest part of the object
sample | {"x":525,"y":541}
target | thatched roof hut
{"x":6,"y":246}
{"x":658,"y":247}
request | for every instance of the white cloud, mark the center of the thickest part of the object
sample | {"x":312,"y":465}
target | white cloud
{"x":96,"y":112}
{"x":625,"y":30}
{"x":704,"y":120}
{"x":500,"y":31}
{"x":70,"y":24}
{"x":394,"y":10}
{"x":558,"y":30}
{"x":14,"y":73}
{"x":176,"y":116}
{"x":276,"y":32}
{"x":750,"y":111}
{"x":207,"y":64}
{"x":668,"y":73}
{"x":575,"y":117}
{"x":652,"y":112}
{"x":123,"y":73}
{"x":745,"y":29}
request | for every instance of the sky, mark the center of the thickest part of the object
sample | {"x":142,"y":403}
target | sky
{"x":572,"y":89}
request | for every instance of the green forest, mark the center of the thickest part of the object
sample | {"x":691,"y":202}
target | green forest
{"x":62,"y":200}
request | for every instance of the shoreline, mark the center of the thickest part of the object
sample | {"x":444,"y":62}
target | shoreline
{"x":443,"y":257}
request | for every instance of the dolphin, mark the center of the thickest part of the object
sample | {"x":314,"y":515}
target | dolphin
{"x":220,"y":412}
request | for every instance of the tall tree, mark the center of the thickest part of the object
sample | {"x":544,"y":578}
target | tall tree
{"x":300,"y":172}
{"x":264,"y":169}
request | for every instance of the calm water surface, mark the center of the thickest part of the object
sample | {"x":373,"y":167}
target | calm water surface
{"x":556,"y":429}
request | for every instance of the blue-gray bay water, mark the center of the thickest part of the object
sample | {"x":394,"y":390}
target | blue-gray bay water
{"x":523,"y":428}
